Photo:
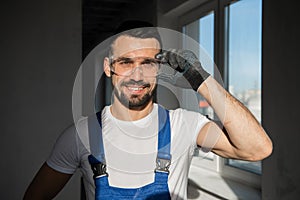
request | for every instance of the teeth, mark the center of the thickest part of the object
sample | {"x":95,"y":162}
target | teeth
{"x":135,"y":88}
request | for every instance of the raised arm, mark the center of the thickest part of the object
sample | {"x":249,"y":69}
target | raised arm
{"x":46,"y":184}
{"x":242,"y":137}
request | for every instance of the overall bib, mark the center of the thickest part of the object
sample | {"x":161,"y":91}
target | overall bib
{"x":156,"y":190}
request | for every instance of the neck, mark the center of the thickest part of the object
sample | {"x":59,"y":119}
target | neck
{"x":121,"y":112}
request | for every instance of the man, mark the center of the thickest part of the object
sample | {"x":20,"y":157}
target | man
{"x":146,"y":149}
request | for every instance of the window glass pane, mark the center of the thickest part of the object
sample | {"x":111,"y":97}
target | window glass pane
{"x":206,"y":37}
{"x":244,"y":61}
{"x":202,"y":30}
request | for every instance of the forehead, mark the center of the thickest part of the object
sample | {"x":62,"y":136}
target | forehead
{"x":135,"y":47}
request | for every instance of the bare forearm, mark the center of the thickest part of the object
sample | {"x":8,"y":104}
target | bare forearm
{"x":249,"y":139}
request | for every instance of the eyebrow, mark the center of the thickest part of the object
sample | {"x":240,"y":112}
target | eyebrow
{"x":119,"y":59}
{"x":123,"y":59}
{"x":146,"y":59}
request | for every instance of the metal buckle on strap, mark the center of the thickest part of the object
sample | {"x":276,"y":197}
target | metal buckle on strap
{"x":162,"y":165}
{"x":99,"y":170}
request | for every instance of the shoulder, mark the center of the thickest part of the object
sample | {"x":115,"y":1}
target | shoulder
{"x":64,"y":156}
{"x":74,"y":137}
{"x":68,"y":134}
{"x":74,"y":131}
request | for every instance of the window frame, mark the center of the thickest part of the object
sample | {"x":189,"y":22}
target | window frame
{"x":218,"y":164}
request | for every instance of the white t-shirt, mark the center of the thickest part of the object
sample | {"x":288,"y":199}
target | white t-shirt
{"x":131,"y":149}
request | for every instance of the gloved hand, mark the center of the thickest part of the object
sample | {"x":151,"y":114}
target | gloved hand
{"x":185,"y":62}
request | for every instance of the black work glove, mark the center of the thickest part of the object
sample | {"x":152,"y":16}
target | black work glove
{"x":185,"y":62}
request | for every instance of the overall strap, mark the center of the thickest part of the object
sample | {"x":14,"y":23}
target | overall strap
{"x":95,"y":137}
{"x":163,"y":159}
{"x":97,"y":157}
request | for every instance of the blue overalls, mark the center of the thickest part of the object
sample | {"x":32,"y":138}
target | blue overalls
{"x":156,"y":190}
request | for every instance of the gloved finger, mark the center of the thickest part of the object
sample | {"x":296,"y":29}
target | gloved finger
{"x":168,"y":57}
{"x":190,"y":56}
{"x":162,"y":57}
{"x":181,"y":60}
{"x":172,"y":58}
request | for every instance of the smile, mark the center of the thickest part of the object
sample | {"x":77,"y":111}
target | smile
{"x":135,"y":88}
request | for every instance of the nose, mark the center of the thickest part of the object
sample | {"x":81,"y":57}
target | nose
{"x":137,"y":73}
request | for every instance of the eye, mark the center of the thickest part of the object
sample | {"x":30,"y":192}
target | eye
{"x":150,"y":63}
{"x":125,"y":63}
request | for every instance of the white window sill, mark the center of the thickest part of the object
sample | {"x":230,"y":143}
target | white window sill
{"x":209,"y":185}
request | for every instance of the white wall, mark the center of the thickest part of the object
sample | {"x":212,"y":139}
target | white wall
{"x":40,"y":44}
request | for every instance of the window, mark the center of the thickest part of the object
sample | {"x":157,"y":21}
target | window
{"x":202,"y":30}
{"x":230,"y":32}
{"x":243,"y":53}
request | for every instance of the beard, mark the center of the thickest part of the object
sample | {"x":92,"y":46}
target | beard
{"x":135,"y":102}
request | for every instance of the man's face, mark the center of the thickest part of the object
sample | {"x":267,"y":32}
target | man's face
{"x":135,"y":89}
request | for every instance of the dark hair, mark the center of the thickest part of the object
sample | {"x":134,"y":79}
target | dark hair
{"x":137,"y":29}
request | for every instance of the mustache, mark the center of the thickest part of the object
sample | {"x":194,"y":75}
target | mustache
{"x":137,"y":83}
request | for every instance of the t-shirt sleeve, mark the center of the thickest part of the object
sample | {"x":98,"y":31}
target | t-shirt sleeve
{"x":65,"y":153}
{"x":196,"y":121}
{"x":190,"y":124}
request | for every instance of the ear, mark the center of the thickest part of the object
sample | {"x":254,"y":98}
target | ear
{"x":106,"y":67}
